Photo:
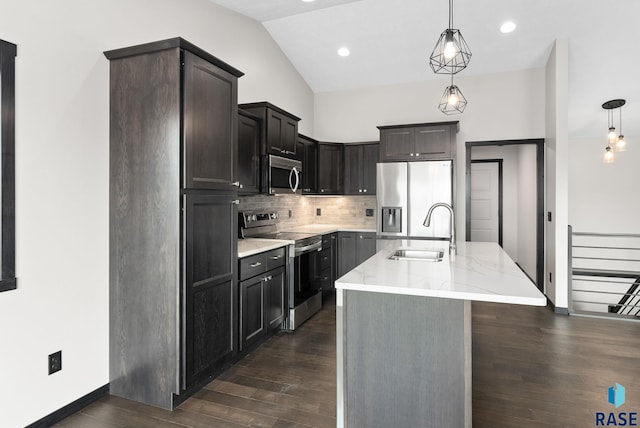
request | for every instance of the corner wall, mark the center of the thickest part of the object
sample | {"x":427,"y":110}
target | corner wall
{"x":557,"y":175}
{"x":62,"y":174}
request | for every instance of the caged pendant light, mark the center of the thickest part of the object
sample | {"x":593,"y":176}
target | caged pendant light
{"x":452,"y":101}
{"x":451,"y":53}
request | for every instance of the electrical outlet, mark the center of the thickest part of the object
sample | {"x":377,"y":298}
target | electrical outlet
{"x":318,"y":211}
{"x":290,"y":213}
{"x":55,"y":362}
{"x":549,"y":216}
{"x":368,"y":212}
{"x":550,"y":277}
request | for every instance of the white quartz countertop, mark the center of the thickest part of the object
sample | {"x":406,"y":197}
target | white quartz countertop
{"x":250,"y":246}
{"x":323,"y":229}
{"x":480,"y":271}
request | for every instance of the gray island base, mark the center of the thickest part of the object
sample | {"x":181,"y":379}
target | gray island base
{"x":406,"y":360}
{"x":404,"y":333}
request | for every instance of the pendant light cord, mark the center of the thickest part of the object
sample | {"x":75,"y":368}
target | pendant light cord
{"x":450,"y":14}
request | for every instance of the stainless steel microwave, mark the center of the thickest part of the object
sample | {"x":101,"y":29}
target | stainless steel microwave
{"x":282,"y":175}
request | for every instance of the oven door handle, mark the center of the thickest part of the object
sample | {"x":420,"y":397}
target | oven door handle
{"x":294,"y":172}
{"x":307,"y":248}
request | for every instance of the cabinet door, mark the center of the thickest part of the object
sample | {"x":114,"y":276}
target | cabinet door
{"x":210,"y":296}
{"x":396,"y":144}
{"x":353,"y":154}
{"x":347,"y":257}
{"x":370,"y":156}
{"x":210,"y":125}
{"x":307,"y":153}
{"x":432,"y":142}
{"x":366,"y":246}
{"x":275,"y":126}
{"x":252,"y":310}
{"x":330,"y":158}
{"x":289,"y":136}
{"x":274,"y":298}
{"x":247,"y":171}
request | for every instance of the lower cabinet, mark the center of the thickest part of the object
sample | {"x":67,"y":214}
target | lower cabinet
{"x":262,"y":295}
{"x":324,"y":265}
{"x":353,"y":249}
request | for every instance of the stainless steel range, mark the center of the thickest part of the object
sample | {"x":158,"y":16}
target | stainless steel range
{"x":304,"y":300}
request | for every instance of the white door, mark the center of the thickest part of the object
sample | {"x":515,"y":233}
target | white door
{"x":485,"y":202}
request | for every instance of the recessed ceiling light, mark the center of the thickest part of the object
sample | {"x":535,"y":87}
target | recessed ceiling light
{"x":507,"y":27}
{"x":308,"y":1}
{"x":344,"y":51}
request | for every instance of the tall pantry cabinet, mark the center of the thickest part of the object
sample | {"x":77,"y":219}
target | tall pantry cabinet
{"x":172,"y":220}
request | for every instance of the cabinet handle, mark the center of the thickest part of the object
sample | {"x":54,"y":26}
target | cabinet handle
{"x":412,"y":154}
{"x":360,"y":237}
{"x":236,"y":184}
{"x":365,"y":190}
{"x":255,"y":265}
{"x":275,"y":257}
{"x":417,"y":154}
{"x":359,"y":190}
{"x":322,"y":190}
{"x":267,"y":278}
{"x":325,"y":278}
{"x":236,"y":202}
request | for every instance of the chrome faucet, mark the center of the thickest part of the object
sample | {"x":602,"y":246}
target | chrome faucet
{"x":427,"y":222}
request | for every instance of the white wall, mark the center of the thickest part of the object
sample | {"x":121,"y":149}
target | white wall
{"x":62,"y":179}
{"x":501,"y":106}
{"x":527,"y":208}
{"x":557,"y":176}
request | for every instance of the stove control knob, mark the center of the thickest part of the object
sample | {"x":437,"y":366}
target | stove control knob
{"x":273,"y":216}
{"x":254,"y":217}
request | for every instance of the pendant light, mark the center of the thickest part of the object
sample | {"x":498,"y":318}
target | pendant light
{"x":621,"y":145}
{"x":614,"y":140}
{"x":451,"y":53}
{"x":452,"y":101}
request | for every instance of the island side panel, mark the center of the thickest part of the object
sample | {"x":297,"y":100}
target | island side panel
{"x":406,"y":361}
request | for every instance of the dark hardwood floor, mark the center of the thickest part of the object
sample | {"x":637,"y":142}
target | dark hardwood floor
{"x":530,"y":368}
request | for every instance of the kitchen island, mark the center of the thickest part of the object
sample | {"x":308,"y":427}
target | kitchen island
{"x":404,"y":331}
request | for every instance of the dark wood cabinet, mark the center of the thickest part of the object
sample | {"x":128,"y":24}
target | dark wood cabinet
{"x":172,"y":220}
{"x":330,"y":168}
{"x":210,"y":124}
{"x":263,"y":296}
{"x":324,"y":265}
{"x":210,"y":294}
{"x":353,"y":249}
{"x":418,"y":142}
{"x":307,"y":153}
{"x":360,"y":168}
{"x":279,"y":128}
{"x":247,"y":171}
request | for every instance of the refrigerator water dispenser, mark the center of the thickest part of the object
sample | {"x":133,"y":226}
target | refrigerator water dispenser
{"x":392,"y":219}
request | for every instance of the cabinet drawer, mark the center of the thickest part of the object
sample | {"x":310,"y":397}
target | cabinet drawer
{"x":325,"y":280}
{"x":276,"y":258}
{"x":253,"y":265}
{"x":325,"y":259}
{"x":326,"y":242}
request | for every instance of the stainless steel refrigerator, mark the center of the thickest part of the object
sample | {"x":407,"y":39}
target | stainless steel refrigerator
{"x":406,"y":190}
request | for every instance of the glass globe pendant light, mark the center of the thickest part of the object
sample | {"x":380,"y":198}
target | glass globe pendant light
{"x":614,"y":140}
{"x":451,"y":53}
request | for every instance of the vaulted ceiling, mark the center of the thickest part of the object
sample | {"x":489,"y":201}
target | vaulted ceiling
{"x":390,"y":43}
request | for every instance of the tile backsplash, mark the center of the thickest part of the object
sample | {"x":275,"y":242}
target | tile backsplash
{"x":346,"y":210}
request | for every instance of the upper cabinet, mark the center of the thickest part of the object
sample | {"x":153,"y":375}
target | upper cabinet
{"x":330,"y":168}
{"x":248,"y":167}
{"x":360,"y":168}
{"x":418,"y":142}
{"x":279,"y":128}
{"x":210,"y":124}
{"x":307,"y":153}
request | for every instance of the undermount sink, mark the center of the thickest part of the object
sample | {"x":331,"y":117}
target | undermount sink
{"x":421,"y":255}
